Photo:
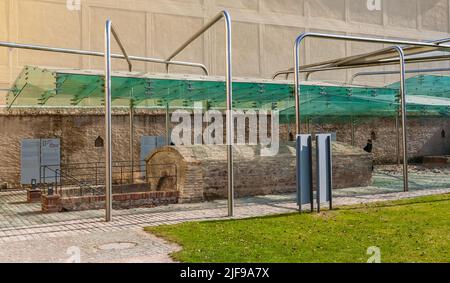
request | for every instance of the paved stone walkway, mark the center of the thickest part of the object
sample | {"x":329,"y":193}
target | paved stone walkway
{"x":128,"y":246}
{"x":24,"y":228}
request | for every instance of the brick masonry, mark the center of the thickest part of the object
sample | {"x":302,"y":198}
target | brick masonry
{"x":120,"y":201}
{"x":34,"y":195}
{"x":51,"y":203}
{"x":202,"y":170}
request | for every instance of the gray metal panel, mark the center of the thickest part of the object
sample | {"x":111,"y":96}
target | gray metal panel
{"x":304,"y":169}
{"x":323,"y":163}
{"x":333,"y":136}
{"x":30,"y":160}
{"x":160,"y":141}
{"x":51,"y":157}
{"x":148,"y":144}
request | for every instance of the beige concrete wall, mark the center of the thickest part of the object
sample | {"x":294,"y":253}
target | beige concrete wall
{"x":264,"y":31}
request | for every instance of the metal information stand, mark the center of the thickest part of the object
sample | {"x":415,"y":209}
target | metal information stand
{"x":324,"y":183}
{"x":304,"y":171}
{"x":324,"y":170}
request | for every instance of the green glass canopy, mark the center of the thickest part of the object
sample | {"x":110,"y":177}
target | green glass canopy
{"x":40,"y":87}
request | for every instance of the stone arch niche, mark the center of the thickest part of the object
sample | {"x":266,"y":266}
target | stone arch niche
{"x":201,"y":170}
{"x":98,"y":142}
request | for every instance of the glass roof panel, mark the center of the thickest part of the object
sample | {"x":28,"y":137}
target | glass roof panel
{"x":40,"y":87}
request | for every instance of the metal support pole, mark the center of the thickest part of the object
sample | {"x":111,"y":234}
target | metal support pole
{"x":403,"y":114}
{"x":108,"y":121}
{"x":132,"y":139}
{"x":108,"y":134}
{"x":297,"y":82}
{"x":308,"y":121}
{"x":208,"y":25}
{"x":228,"y":81}
{"x":122,"y":48}
{"x":230,"y":122}
{"x":401,"y":55}
{"x":167,"y":124}
{"x":353,"y":131}
{"x":397,"y":132}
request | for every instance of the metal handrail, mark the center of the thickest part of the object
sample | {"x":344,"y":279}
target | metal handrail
{"x":229,"y":124}
{"x":66,"y":172}
{"x":123,"y":167}
{"x":79,"y":183}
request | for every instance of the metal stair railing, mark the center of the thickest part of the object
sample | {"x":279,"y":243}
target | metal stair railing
{"x":61,"y":174}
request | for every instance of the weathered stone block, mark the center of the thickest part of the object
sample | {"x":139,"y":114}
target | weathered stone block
{"x":51,"y":203}
{"x":120,"y":201}
{"x":202,"y":170}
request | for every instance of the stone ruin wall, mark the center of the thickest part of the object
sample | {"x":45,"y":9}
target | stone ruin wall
{"x":78,"y":131}
{"x":202,"y":170}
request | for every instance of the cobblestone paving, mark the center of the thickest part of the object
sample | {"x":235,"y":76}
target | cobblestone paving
{"x":23,"y":222}
{"x":117,"y":246}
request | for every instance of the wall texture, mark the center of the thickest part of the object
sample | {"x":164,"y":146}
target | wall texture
{"x":201,"y":171}
{"x":78,"y":133}
{"x":424,"y":137}
{"x":263,"y":31}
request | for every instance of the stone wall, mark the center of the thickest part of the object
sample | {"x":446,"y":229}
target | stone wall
{"x":79,"y":130}
{"x":120,"y":201}
{"x":424,"y":137}
{"x":77,"y":133}
{"x":202,"y":170}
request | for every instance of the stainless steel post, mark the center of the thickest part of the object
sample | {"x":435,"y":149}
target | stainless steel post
{"x":401,"y":55}
{"x":228,"y":81}
{"x":167,"y":124}
{"x":230,"y":122}
{"x":353,"y":131}
{"x":308,"y":121}
{"x":122,"y":48}
{"x":108,"y":134}
{"x":297,"y":82}
{"x":397,"y":132}
{"x":403,"y":113}
{"x":132,"y":139}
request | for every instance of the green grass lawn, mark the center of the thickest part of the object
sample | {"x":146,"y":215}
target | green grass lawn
{"x":414,"y":230}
